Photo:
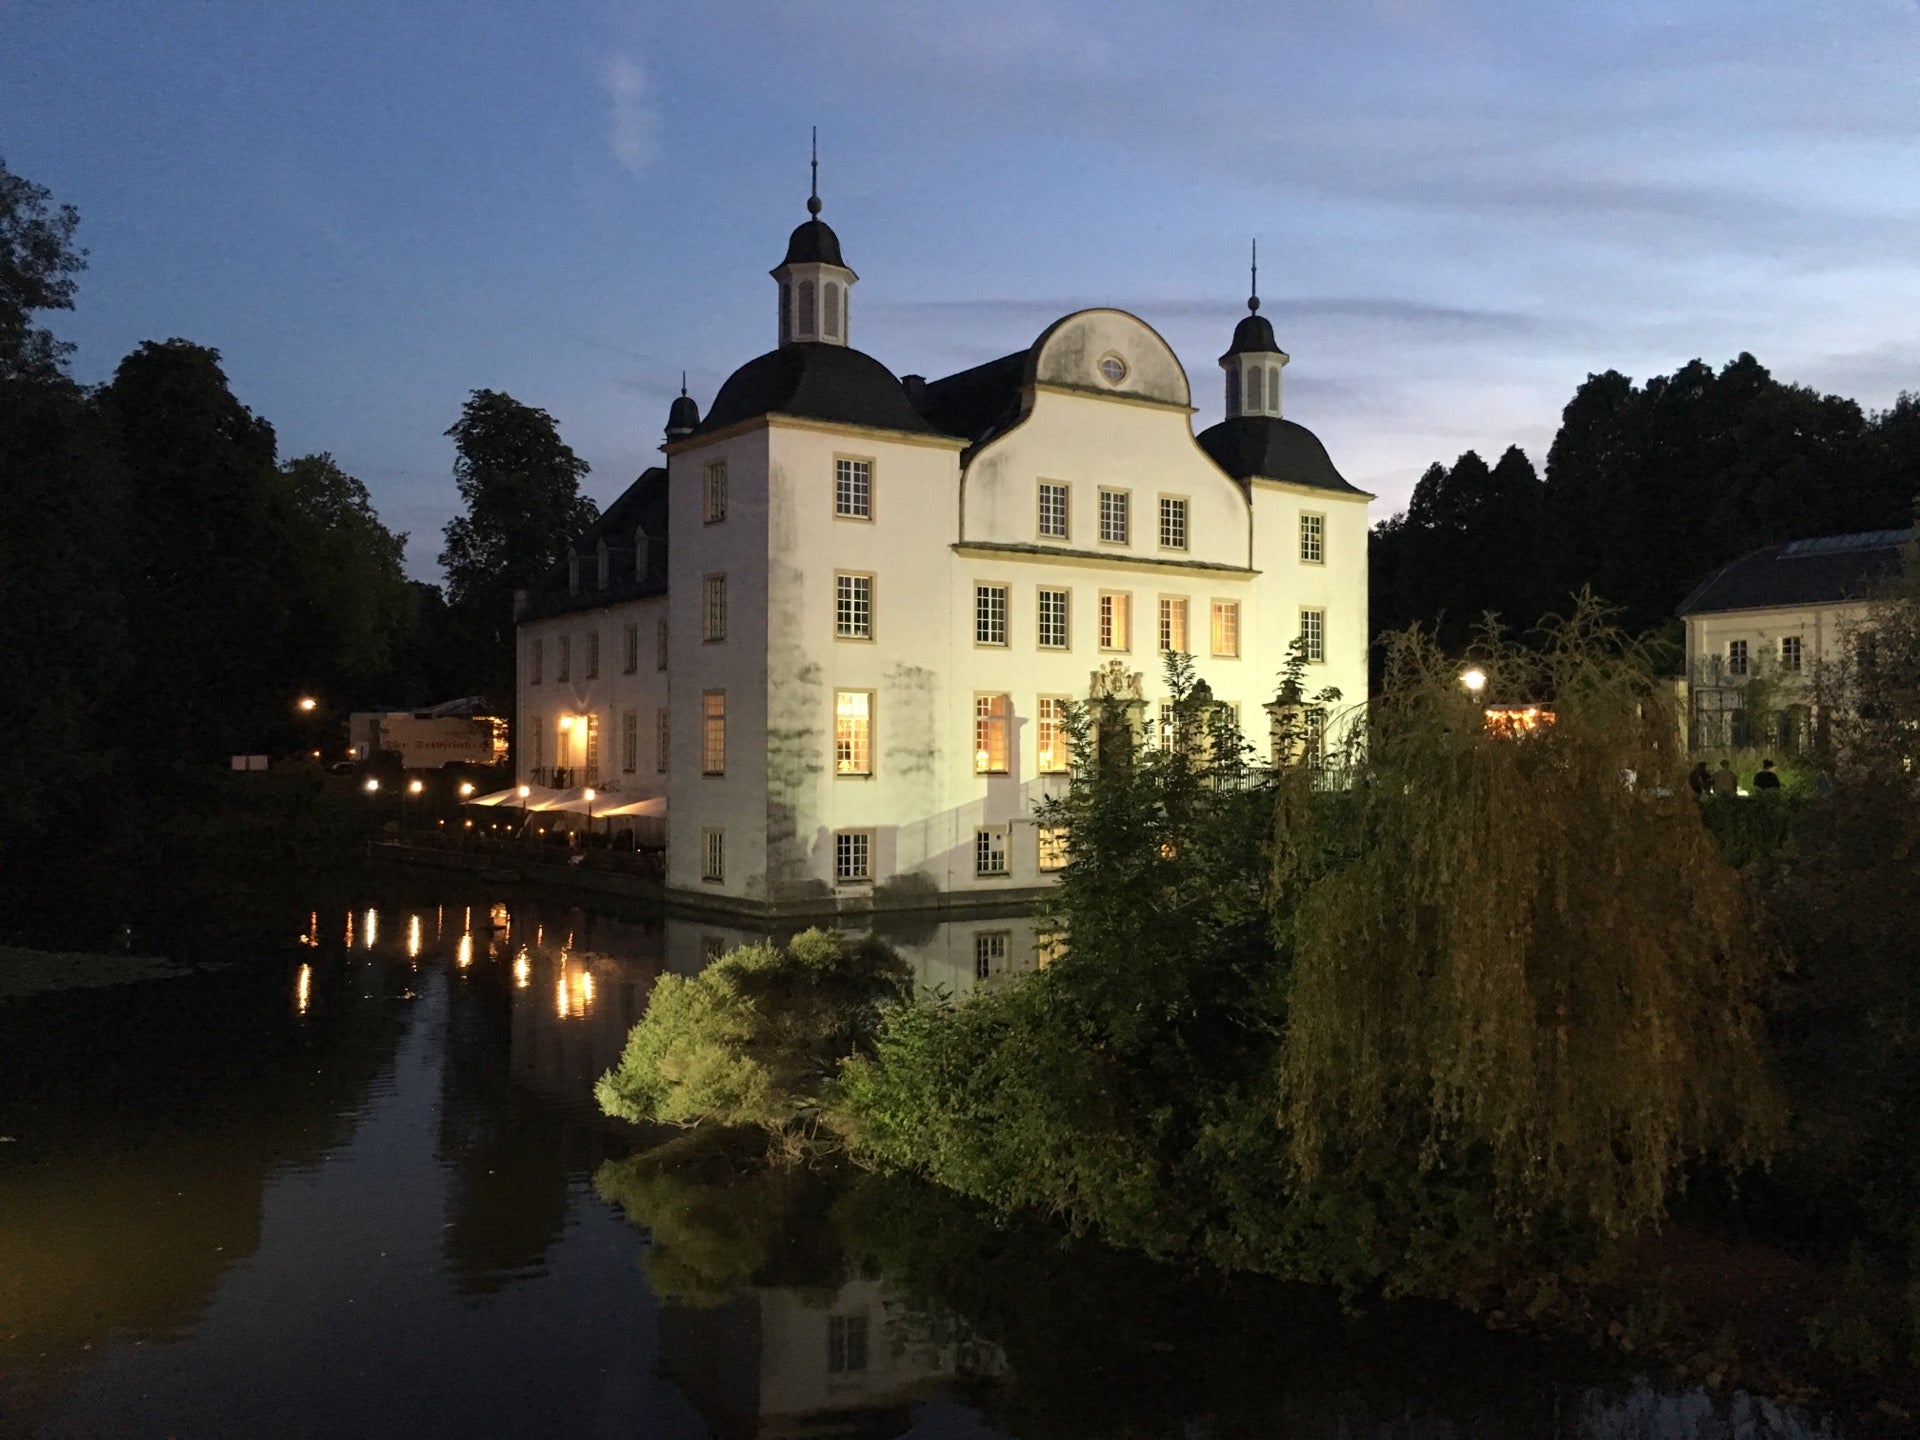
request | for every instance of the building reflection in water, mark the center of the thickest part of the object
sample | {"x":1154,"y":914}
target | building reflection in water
{"x":786,"y":1362}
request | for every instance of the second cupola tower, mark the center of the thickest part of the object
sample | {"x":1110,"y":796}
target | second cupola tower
{"x":814,"y":281}
{"x":1254,"y":360}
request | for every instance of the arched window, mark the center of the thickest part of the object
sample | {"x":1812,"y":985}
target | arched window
{"x":1253,"y":389}
{"x":806,"y":325}
{"x":786,"y":312}
{"x":830,"y":307}
{"x":1233,"y":392}
{"x":1273,"y":388}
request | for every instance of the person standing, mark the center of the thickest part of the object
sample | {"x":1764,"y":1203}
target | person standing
{"x":1698,"y":780}
{"x":1725,"y":782}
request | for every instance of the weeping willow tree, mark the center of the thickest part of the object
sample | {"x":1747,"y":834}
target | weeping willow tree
{"x":1515,"y":950}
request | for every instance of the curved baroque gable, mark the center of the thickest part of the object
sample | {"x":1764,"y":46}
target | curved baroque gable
{"x":1071,"y":350}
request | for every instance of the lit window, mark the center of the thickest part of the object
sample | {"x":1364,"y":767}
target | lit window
{"x":1226,"y":627}
{"x":660,"y":740}
{"x":989,"y":614}
{"x":853,"y":489}
{"x":1313,"y":536}
{"x":593,"y":654}
{"x":990,"y":850}
{"x":629,"y":741}
{"x":1173,"y":623}
{"x":1173,"y":523}
{"x":538,"y":663}
{"x":1113,"y":517}
{"x":989,"y":953}
{"x":563,"y":667}
{"x":714,"y":495}
{"x":853,"y":732}
{"x":1736,"y":657}
{"x":660,"y":640}
{"x":1053,"y":511}
{"x":992,"y":728}
{"x":632,"y":638}
{"x":1051,"y":728}
{"x":1053,"y":847}
{"x":1116,"y":621}
{"x":1790,"y":654}
{"x":1313,"y":636}
{"x":713,"y":608}
{"x":713,"y":733}
{"x":852,"y":855}
{"x":853,"y":607}
{"x":713,"y":856}
{"x":1053,"y":619}
{"x":846,"y":1344}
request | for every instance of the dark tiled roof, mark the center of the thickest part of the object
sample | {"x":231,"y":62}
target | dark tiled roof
{"x":978,"y":403}
{"x":813,"y":243}
{"x":1826,"y":571}
{"x":632,"y":574}
{"x":1262,"y":446}
{"x":816,"y":381}
{"x":1253,"y":336}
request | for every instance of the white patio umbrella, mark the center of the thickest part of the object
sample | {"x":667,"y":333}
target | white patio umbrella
{"x":652,"y":808}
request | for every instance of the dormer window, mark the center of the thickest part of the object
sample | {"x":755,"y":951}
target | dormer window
{"x":602,"y":556}
{"x":640,"y":557}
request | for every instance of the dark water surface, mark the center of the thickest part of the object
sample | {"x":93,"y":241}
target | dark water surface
{"x":344,"y":1177}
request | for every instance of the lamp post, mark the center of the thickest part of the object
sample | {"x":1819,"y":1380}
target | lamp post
{"x":590,"y":794}
{"x":525,"y":792}
{"x":414,"y":787}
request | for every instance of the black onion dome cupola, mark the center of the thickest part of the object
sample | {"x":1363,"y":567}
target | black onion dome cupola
{"x":683,"y":416}
{"x":814,"y":281}
{"x":1254,"y":360}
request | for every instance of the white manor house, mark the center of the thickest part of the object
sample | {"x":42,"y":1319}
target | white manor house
{"x":884,"y":592}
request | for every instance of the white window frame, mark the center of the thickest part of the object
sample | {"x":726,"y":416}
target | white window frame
{"x":713,"y":855}
{"x":1170,"y":606}
{"x":990,"y":849}
{"x":1050,"y":848}
{"x":1064,"y":597}
{"x":848,"y":600}
{"x":852,"y":857}
{"x":629,"y":742}
{"x":1050,"y":724}
{"x":1121,"y":509}
{"x":660,"y":642}
{"x":1739,"y":659}
{"x":1313,"y":634}
{"x":1215,"y":609}
{"x":991,"y":720}
{"x":848,"y":761}
{"x":593,"y":655}
{"x":990,"y":951}
{"x":631,"y":636}
{"x":713,"y":493}
{"x":853,"y":477}
{"x":1313,"y":538}
{"x":1793,"y":654}
{"x":661,"y":735}
{"x":984,"y":621}
{"x":1065,"y":493}
{"x":713,"y":609}
{"x":1174,"y":516}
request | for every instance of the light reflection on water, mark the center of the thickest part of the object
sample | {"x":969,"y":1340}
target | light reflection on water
{"x":370,"y":1213}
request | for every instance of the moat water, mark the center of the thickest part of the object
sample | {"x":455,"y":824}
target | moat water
{"x":341,"y":1174}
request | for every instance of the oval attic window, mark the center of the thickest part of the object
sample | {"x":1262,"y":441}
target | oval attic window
{"x":1112,"y":368}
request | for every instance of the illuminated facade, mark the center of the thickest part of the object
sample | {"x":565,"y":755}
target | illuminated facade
{"x":887,"y":592}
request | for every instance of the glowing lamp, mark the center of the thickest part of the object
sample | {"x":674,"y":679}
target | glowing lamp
{"x":466,"y":788}
{"x":590,"y":795}
{"x":306,"y":704}
{"x":1475,"y":680}
{"x":525,"y":791}
{"x":414,"y":787}
{"x":372,"y":785}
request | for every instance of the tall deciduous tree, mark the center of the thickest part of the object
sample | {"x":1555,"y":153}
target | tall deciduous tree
{"x":38,"y":263}
{"x":521,"y":485}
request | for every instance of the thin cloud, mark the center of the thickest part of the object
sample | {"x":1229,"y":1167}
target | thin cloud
{"x":635,"y":129}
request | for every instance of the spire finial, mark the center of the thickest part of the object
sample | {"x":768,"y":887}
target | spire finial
{"x":1253,"y":299}
{"x":813,"y":200}
{"x":683,"y":382}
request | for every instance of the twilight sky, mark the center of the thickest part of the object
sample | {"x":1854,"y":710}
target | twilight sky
{"x":371,"y":207}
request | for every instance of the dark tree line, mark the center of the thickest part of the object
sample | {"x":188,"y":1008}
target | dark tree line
{"x":169,"y":587}
{"x":1648,"y":489}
